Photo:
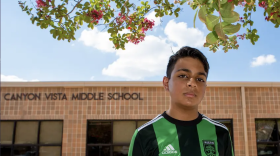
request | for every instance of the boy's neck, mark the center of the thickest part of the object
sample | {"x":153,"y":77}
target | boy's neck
{"x":188,"y":114}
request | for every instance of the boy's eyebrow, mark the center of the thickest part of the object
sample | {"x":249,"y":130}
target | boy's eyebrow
{"x":189,"y":71}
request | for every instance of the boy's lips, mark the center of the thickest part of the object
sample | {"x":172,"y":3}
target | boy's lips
{"x":189,"y":94}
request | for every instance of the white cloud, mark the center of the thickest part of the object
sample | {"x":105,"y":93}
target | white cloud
{"x":97,"y":39}
{"x":13,"y":78}
{"x":92,"y":78}
{"x":263,"y":60}
{"x":182,"y":35}
{"x":148,"y":58}
{"x":72,"y":44}
{"x":152,"y":16}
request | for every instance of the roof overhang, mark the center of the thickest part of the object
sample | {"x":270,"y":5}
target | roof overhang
{"x":67,"y":84}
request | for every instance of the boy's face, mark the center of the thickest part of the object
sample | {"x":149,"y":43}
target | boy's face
{"x":187,"y":82}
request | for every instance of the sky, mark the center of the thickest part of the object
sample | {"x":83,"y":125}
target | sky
{"x":29,"y":53}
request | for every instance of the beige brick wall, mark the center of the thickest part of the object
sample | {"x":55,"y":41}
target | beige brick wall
{"x":261,"y":103}
{"x":219,"y":102}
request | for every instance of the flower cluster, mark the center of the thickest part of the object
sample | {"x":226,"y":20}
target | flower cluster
{"x":147,"y":24}
{"x":95,"y":15}
{"x":40,"y":3}
{"x":136,"y":39}
{"x":242,"y":3}
{"x":241,"y":19}
{"x":120,"y":19}
{"x":267,"y":18}
{"x":263,"y":4}
{"x":241,"y":36}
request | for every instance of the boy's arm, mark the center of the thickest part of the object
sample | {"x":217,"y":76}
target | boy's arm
{"x":136,"y":148}
{"x":229,"y":147}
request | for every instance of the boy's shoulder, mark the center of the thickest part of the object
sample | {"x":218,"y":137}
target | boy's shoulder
{"x":219,"y":126}
{"x":148,"y":125}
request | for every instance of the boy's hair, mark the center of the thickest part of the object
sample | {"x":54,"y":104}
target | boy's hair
{"x":186,"y":52}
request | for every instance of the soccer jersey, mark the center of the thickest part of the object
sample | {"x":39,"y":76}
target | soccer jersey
{"x":166,"y":136}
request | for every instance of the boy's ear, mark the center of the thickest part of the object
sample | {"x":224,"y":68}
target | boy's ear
{"x":165,"y":83}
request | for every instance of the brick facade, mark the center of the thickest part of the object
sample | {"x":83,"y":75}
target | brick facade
{"x":220,"y":102}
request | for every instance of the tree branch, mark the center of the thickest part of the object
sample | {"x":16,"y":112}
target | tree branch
{"x":74,"y":7}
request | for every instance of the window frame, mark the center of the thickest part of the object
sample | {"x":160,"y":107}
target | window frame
{"x":37,"y":145}
{"x":269,"y":142}
{"x":111,"y":145}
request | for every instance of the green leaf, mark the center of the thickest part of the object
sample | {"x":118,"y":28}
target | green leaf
{"x":52,"y":3}
{"x":194,"y":18}
{"x":215,"y":6}
{"x":52,"y":31}
{"x":212,"y":37}
{"x":211,"y":21}
{"x":118,"y":5}
{"x":79,"y":5}
{"x":110,"y":30}
{"x":177,"y":10}
{"x":231,"y":29}
{"x":219,"y":30}
{"x":200,"y":1}
{"x":202,"y":14}
{"x":86,"y":4}
{"x":81,"y":22}
{"x":72,"y":29}
{"x":33,"y":20}
{"x":234,"y":18}
{"x":206,"y":44}
{"x":142,"y":2}
{"x":87,"y":19}
{"x":278,"y":20}
{"x":223,"y":1}
{"x":76,"y":18}
{"x":182,"y":2}
{"x":226,"y":9}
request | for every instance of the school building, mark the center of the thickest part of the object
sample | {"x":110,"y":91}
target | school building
{"x":99,"y":118}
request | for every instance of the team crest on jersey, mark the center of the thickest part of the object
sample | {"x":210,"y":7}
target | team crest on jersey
{"x":209,"y":147}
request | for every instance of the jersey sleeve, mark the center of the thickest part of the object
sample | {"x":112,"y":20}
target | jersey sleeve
{"x":229,"y":147}
{"x":135,"y":147}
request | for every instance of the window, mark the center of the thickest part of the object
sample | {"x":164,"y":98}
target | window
{"x":268,"y":137}
{"x":110,"y":138}
{"x":32,"y":138}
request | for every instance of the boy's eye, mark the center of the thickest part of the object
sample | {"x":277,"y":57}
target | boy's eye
{"x":199,"y":79}
{"x":183,"y":76}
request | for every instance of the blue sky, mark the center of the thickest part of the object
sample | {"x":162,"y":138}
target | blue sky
{"x":29,"y":53}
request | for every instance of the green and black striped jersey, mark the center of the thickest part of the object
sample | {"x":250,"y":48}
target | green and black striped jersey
{"x":166,"y":136}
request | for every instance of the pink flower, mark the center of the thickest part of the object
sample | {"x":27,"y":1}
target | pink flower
{"x":40,"y":3}
{"x":96,"y":15}
{"x":263,"y":5}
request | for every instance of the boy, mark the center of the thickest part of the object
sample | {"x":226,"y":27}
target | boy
{"x":182,"y":130}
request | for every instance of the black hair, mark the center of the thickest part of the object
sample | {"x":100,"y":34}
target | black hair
{"x":186,"y":52}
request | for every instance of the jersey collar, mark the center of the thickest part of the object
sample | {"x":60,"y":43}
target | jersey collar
{"x":180,"y":122}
